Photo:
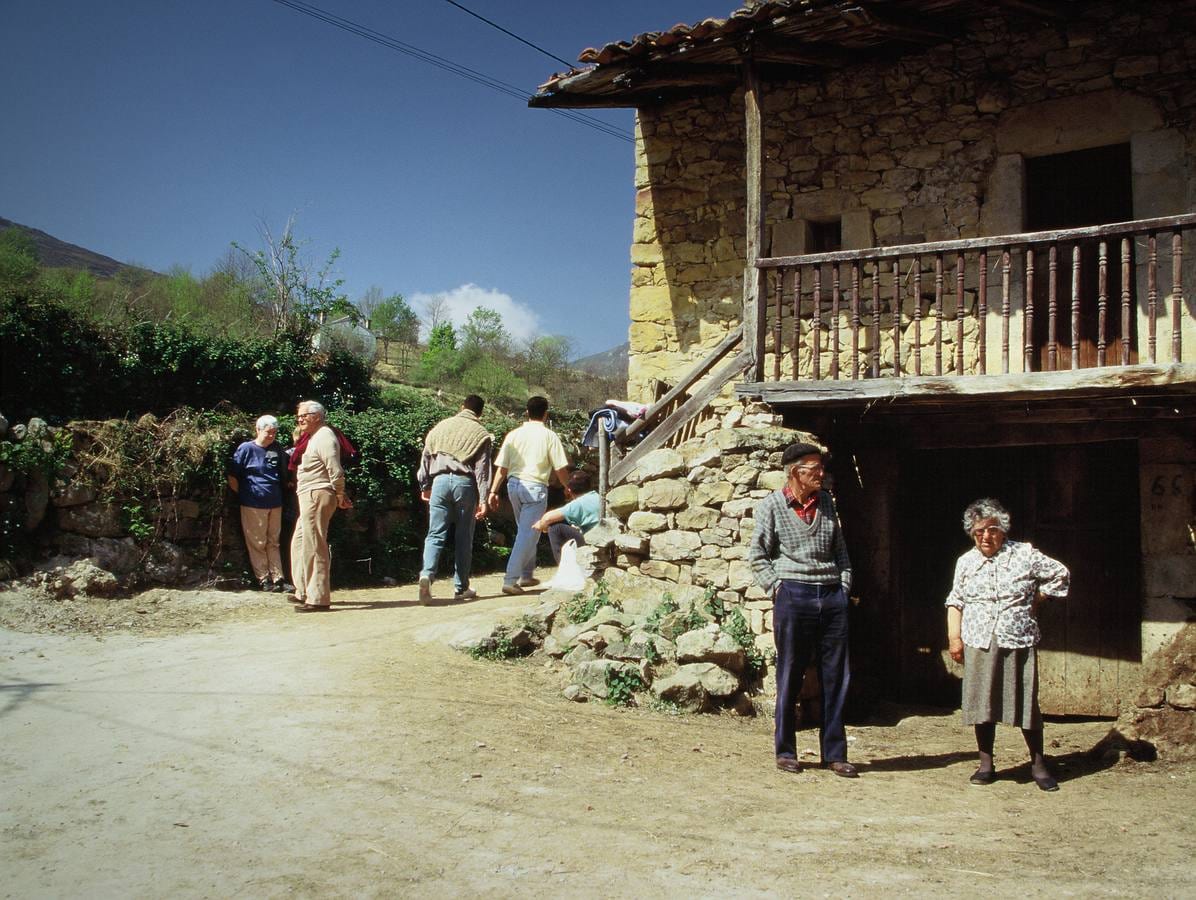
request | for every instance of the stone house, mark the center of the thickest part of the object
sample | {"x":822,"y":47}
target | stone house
{"x":953,"y":239}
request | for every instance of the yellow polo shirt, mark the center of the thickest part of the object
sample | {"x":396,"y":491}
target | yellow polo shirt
{"x":532,"y":452}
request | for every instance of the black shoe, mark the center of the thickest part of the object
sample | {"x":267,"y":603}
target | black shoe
{"x":983,"y":776}
{"x":266,"y":586}
{"x":1046,"y":783}
{"x":281,"y":587}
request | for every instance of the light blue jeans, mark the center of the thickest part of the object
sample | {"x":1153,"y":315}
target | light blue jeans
{"x":454,"y":502}
{"x":529,"y":501}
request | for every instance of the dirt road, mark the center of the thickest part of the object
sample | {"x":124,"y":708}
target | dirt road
{"x":265,"y":754}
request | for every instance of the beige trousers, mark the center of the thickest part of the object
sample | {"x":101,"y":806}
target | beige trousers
{"x":310,"y":561}
{"x":262,"y":528}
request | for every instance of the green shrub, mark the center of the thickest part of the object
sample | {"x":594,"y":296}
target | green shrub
{"x":621,"y":686}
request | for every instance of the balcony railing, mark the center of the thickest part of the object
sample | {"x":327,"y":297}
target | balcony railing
{"x":1111,"y":295}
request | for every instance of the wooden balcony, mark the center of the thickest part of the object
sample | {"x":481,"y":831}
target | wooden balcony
{"x":1078,"y":312}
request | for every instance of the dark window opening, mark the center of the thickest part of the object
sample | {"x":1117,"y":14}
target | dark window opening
{"x":825,"y":237}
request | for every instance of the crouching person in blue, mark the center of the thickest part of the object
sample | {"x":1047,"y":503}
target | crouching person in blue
{"x":799,"y":557}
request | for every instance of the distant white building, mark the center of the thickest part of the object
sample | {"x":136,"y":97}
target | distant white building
{"x":346,"y":333}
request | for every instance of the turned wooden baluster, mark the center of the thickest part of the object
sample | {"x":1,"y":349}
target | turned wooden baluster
{"x":1177,"y":295}
{"x":817,"y":322}
{"x":776,"y":326}
{"x":855,"y":319}
{"x":917,"y":291}
{"x":938,"y":314}
{"x":1053,"y":310}
{"x":835,"y":297}
{"x":796,"y":319}
{"x":1102,"y":302}
{"x":1125,"y":301}
{"x":1075,"y":306}
{"x":896,"y":300}
{"x":982,"y":312}
{"x":1028,"y":320}
{"x":1006,"y":265}
{"x":1152,"y":297}
{"x":875,"y":319}
{"x":959,"y":313}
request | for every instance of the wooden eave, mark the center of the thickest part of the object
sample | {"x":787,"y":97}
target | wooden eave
{"x":786,"y":39}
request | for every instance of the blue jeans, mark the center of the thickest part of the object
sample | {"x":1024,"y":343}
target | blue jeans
{"x":809,"y":622}
{"x":529,"y":501}
{"x":454,"y":502}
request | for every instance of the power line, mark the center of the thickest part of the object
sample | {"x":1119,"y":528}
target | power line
{"x":522,"y":40}
{"x":447,"y":65}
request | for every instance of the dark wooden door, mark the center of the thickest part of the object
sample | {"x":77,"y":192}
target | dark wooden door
{"x":1073,"y":190}
{"x":1077,"y":503}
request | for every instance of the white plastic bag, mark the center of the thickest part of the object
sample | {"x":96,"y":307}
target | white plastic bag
{"x":569,"y":576}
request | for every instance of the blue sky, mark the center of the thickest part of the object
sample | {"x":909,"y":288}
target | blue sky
{"x":157,"y":131}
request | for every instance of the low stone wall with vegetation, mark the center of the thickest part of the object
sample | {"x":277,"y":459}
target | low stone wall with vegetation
{"x":146,"y":501}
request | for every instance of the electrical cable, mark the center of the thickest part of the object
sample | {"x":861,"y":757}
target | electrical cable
{"x":447,"y":65}
{"x":522,"y":40}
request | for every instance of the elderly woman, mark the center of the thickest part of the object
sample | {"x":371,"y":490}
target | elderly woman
{"x":256,"y":475}
{"x":993,"y":630}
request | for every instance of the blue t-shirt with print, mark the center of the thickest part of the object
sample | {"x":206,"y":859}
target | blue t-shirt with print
{"x":259,"y":472}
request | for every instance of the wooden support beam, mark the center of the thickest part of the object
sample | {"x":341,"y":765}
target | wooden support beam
{"x":754,"y":325}
{"x":948,"y":389}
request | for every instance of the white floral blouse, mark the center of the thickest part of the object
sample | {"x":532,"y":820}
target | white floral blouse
{"x":996,"y":594}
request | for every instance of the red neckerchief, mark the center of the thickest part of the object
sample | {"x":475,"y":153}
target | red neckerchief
{"x":346,"y":446}
{"x":804,"y":511}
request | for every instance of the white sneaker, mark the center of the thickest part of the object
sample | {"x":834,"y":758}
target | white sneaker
{"x":425,"y":589}
{"x":467,"y":594}
{"x":528,"y":582}
{"x":512,"y":589}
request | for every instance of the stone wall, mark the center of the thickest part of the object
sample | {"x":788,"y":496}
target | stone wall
{"x":931,"y":147}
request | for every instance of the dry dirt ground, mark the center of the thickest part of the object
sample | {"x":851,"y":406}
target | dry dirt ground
{"x":219,"y":745}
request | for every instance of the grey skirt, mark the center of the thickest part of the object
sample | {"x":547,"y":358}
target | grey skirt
{"x":1001,"y":686}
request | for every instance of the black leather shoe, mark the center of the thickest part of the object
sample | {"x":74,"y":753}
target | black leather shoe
{"x":844,"y":769}
{"x":983,"y":776}
{"x":788,"y":764}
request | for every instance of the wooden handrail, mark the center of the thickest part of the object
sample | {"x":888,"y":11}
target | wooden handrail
{"x":703,"y":366}
{"x":1118,"y":229}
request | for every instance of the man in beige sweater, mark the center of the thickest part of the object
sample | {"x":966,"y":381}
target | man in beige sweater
{"x":320,"y":484}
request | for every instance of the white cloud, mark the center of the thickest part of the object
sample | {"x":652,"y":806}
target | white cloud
{"x":520,"y":321}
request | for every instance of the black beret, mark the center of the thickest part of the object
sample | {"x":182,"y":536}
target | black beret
{"x":794,"y":452}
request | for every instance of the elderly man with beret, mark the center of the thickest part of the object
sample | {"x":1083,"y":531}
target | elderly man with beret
{"x":799,"y":557}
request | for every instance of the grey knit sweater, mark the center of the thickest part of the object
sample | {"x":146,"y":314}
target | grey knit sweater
{"x":785,"y":547}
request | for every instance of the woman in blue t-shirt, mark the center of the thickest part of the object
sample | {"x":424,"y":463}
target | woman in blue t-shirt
{"x":256,"y":475}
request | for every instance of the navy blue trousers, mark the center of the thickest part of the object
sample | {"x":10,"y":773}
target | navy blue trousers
{"x":809,"y":622}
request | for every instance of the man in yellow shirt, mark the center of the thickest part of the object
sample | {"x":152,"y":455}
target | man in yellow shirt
{"x":528,"y":457}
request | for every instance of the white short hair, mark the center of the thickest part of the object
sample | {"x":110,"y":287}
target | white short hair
{"x":266,"y":421}
{"x":315,"y":408}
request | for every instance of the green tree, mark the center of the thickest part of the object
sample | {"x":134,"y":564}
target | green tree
{"x":293,"y":294}
{"x":546,"y":361}
{"x":443,"y":337}
{"x":394,"y":320}
{"x":442,"y":362}
{"x":484,"y":334}
{"x":18,"y":259}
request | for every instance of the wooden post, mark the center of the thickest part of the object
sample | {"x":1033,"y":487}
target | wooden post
{"x":603,"y":468}
{"x":1177,"y":295}
{"x":754,"y":325}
